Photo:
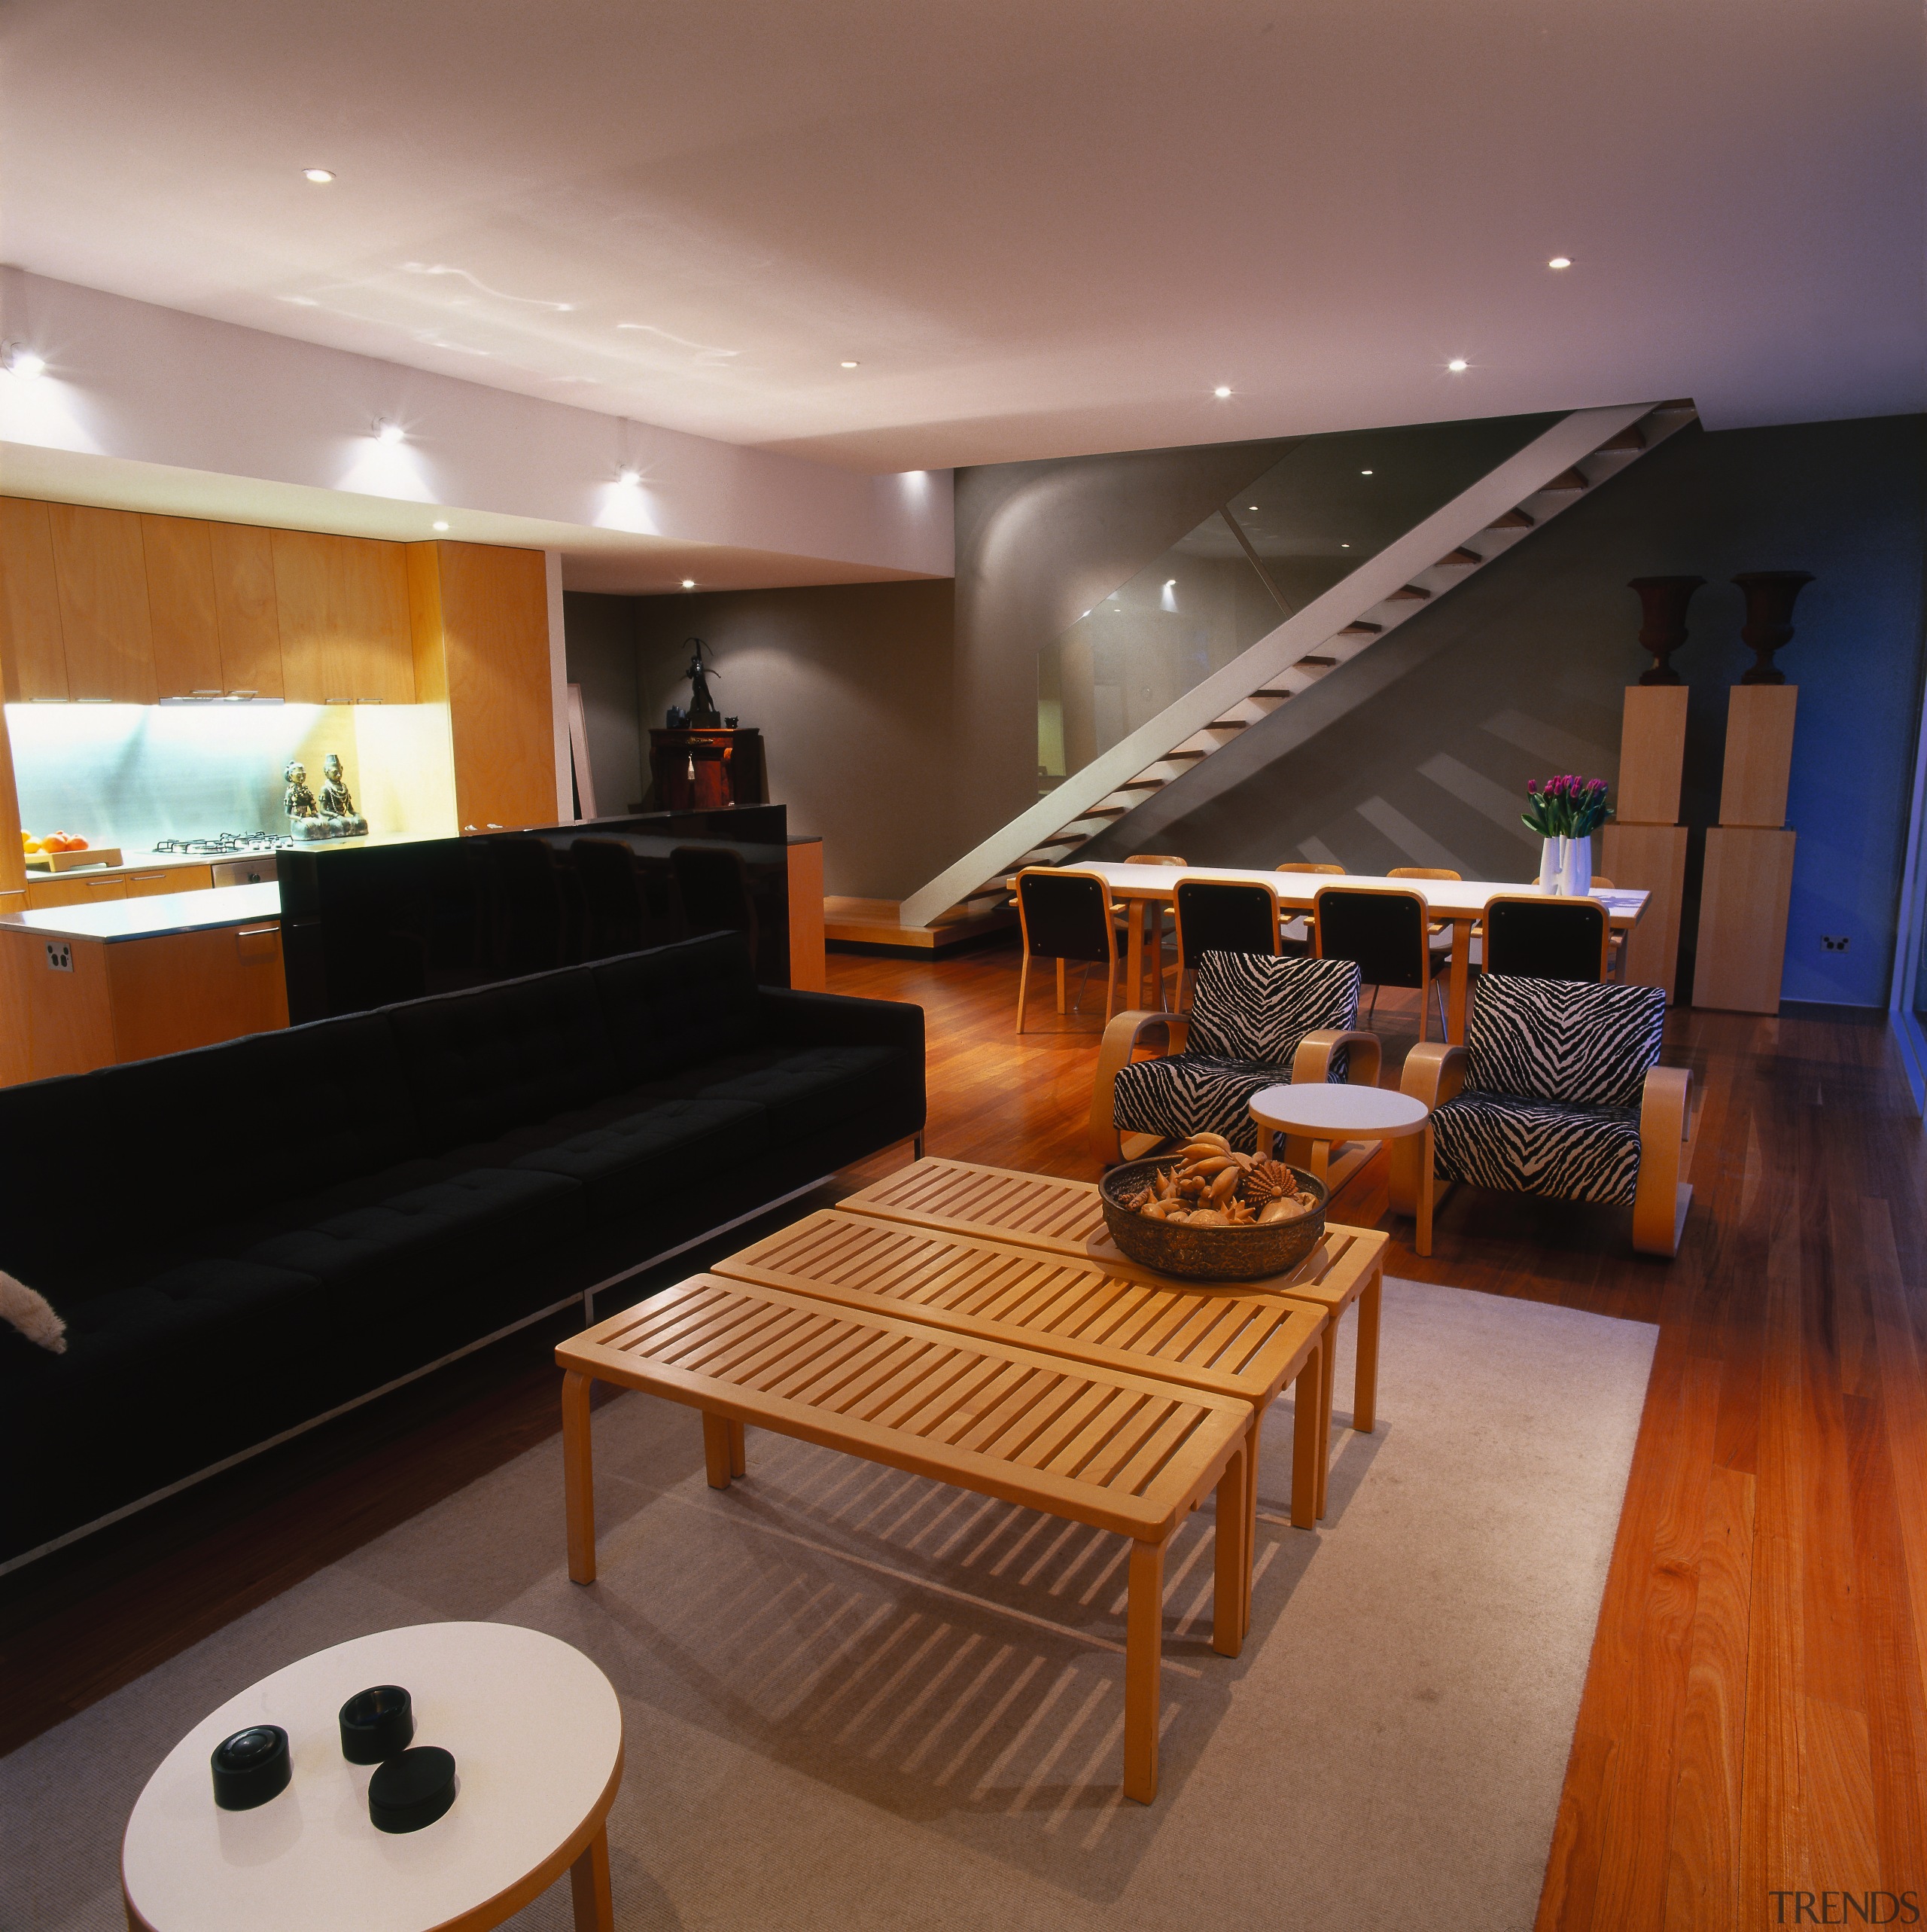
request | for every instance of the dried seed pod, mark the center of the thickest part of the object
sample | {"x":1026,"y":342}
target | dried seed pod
{"x":1217,"y":1163}
{"x":1225,"y":1185}
{"x":1176,"y":1218}
{"x":1216,"y":1140}
{"x":1273,"y":1212}
{"x":1207,"y":1218}
{"x":1268,"y":1181}
{"x":1152,"y":1211}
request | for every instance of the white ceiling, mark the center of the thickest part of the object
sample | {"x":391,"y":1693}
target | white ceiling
{"x":1042,"y":226}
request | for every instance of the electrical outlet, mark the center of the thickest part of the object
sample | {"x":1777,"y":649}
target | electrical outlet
{"x":59,"y":956}
{"x":1833,"y":942}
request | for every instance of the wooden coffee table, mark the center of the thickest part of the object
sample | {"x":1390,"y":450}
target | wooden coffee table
{"x":1090,"y":1444}
{"x":1222,"y":1339}
{"x":1066,"y":1218}
{"x":537,"y":1734}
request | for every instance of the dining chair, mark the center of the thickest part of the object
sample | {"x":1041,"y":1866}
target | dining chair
{"x":1065,"y":915}
{"x":1151,"y":911}
{"x":1558,"y":1092}
{"x":615,"y":910}
{"x":1388,"y":932}
{"x":1530,"y":937}
{"x":1296,"y":937}
{"x":1442,"y":929}
{"x":1222,"y":916}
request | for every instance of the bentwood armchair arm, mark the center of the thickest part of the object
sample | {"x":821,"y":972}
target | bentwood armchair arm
{"x":1659,"y":1207}
{"x":1122,"y":1037}
{"x":1315,"y":1051}
{"x":1433,"y":1073}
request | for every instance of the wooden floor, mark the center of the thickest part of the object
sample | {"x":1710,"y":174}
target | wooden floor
{"x":1754,"y":1720}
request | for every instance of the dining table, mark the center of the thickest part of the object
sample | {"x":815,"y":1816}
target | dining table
{"x":1458,"y":903}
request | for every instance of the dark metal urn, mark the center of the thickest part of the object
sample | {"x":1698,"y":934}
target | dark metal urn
{"x":1663,"y":601}
{"x":1770,"y":596}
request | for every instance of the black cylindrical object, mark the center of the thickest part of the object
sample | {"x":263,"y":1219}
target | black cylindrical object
{"x":377,"y":1724}
{"x":251,"y":1767}
{"x":412,"y":1790}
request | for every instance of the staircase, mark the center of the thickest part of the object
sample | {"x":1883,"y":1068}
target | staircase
{"x":1430,"y":560}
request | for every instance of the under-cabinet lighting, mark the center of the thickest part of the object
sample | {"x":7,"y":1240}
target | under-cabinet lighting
{"x":689,"y":584}
{"x":390,"y":433}
{"x":438,"y":525}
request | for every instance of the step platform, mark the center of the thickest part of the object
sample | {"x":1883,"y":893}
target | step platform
{"x":873,"y":925}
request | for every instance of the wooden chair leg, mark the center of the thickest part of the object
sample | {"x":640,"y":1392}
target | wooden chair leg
{"x":716,"y":1449}
{"x":1060,"y":986}
{"x":1427,"y":1184}
{"x":1308,"y":1449}
{"x":578,"y":1477}
{"x":1232,"y":1556}
{"x":588,"y":1887}
{"x":1143,"y":1658}
{"x":1023,"y":987}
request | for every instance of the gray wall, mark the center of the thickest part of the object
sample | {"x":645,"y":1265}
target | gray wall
{"x":1521,"y":672}
{"x":600,"y":645}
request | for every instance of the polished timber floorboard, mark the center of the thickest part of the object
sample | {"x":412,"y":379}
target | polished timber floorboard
{"x":1753,"y":1720}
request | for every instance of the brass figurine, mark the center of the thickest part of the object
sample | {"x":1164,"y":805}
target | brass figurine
{"x":338,"y":802}
{"x":298,"y":802}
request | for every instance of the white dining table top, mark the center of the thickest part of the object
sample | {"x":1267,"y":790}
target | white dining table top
{"x":1450,"y":898}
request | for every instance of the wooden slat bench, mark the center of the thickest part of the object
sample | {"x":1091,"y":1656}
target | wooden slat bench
{"x":1221,"y":1339}
{"x":1091,"y":1445}
{"x":1066,"y":1218}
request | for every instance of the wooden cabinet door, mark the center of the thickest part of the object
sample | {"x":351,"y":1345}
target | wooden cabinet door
{"x":485,"y":612}
{"x":32,"y":657}
{"x":72,"y":891}
{"x":170,"y":879}
{"x":102,"y":574}
{"x":249,"y":627}
{"x":181,"y":611}
{"x":343,"y":607}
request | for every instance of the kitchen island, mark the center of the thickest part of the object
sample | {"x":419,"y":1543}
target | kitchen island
{"x":90,"y":985}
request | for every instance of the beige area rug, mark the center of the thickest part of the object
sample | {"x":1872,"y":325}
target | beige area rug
{"x":859,"y":1702}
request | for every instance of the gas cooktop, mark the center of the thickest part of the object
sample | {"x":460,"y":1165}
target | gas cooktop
{"x":222,"y":843}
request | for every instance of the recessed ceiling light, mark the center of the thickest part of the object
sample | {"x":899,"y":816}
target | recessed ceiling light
{"x":1344,"y":547}
{"x":1365,"y":473}
{"x":852,"y":365}
{"x":24,"y":362}
{"x":1254,"y":506}
{"x":441,"y":526}
{"x":689,"y":584}
{"x":1560,"y":261}
{"x":628,"y":479}
{"x":390,"y":433}
{"x":321,"y":177}
{"x":1457,"y":365}
{"x":1221,"y":390}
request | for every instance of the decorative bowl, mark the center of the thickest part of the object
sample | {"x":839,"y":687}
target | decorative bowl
{"x":1207,"y":1254}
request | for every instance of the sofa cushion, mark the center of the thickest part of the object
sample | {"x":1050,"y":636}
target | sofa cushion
{"x":1192,"y":1093}
{"x":802,"y":1089}
{"x":1247,"y":1006}
{"x":675,"y":1006}
{"x":428,"y":1239}
{"x":1563,"y":1040}
{"x":673,"y":1145}
{"x":479,"y":1062}
{"x":1540,"y":1146}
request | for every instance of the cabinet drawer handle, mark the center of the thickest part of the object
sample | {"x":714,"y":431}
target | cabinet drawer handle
{"x":257,"y":932}
{"x":147,"y":878}
{"x":337,"y":701}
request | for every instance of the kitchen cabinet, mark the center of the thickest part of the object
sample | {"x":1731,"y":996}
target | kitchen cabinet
{"x":343,"y":607}
{"x":248,"y":623}
{"x":181,"y":616}
{"x":13,"y":861}
{"x":481,"y":618}
{"x":170,"y":879}
{"x":75,"y":889}
{"x":34,"y":660}
{"x":101,"y":575}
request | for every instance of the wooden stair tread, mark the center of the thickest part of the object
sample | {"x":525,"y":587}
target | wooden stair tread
{"x":1566,"y":480}
{"x":1360,"y":627}
{"x":1629,"y":438}
{"x":1461,"y":559}
{"x":1323,"y":663}
{"x":1513,"y":519}
{"x":1409,"y":593}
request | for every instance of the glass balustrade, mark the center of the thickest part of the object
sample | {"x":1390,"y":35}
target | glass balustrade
{"x":1302,"y":525}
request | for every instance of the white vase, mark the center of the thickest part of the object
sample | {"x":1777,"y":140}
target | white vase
{"x":1551,"y":863}
{"x":1576,"y":869}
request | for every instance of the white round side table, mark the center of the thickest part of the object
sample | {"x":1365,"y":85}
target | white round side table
{"x":537,"y":1734}
{"x":1324,"y":1111}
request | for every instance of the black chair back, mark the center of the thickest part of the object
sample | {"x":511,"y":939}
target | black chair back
{"x":614,"y":913}
{"x":1546,"y":939}
{"x":714,"y":884}
{"x":1219,"y":916}
{"x":1385,"y":932}
{"x":529,"y":928}
{"x":1064,"y":915}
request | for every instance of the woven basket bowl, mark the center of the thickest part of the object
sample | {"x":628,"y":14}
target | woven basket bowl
{"x":1207,"y":1253}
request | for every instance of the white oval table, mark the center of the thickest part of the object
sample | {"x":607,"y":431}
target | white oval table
{"x":537,"y":1734}
{"x":1322,"y":1112}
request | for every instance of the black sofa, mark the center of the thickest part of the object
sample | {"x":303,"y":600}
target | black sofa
{"x":244,"y":1237}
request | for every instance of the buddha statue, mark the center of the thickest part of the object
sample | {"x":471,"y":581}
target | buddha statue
{"x":338,"y":802}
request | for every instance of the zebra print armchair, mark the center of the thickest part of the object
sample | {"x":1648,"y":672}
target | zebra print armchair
{"x":1557,"y":1091}
{"x":1254,"y":1021}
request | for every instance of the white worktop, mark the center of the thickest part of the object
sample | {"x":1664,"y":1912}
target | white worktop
{"x":112,"y":920}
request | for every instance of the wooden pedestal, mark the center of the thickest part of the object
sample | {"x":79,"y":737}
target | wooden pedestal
{"x":1743,"y":918}
{"x":1759,"y":754}
{"x":1652,"y":754}
{"x":1650,"y":858}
